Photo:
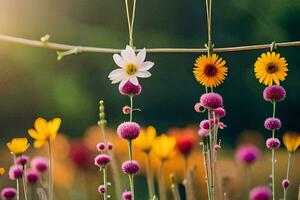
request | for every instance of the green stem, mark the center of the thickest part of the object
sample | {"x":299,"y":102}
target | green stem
{"x":287,"y":173}
{"x":150,"y":178}
{"x":24,"y":183}
{"x":105,"y":183}
{"x":18,"y":189}
{"x":273,"y":155}
{"x":50,"y":187}
{"x":131,"y":108}
{"x":206,"y":170}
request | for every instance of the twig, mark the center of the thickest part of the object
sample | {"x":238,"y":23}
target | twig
{"x":66,"y":47}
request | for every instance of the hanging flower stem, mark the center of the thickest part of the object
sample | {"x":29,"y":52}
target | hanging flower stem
{"x":24,"y":183}
{"x":273,"y":154}
{"x":105,"y":183}
{"x":50,"y":186}
{"x":131,"y":178}
{"x":287,"y":174}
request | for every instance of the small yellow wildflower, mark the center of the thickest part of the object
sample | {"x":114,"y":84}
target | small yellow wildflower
{"x":270,"y":67}
{"x":291,"y":141}
{"x":145,"y":140}
{"x":210,"y":71}
{"x":18,"y":145}
{"x":163,"y":146}
{"x":2,"y":171}
{"x":44,"y":131}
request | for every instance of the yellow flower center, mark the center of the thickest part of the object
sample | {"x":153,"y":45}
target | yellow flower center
{"x":271,"y":68}
{"x":210,"y":70}
{"x":131,"y":69}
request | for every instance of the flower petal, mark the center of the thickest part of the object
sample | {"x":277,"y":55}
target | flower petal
{"x":38,"y":143}
{"x":146,"y":66}
{"x":143,"y":74}
{"x":119,"y":60}
{"x":134,"y":80}
{"x":141,"y":56}
{"x":40,"y":125}
{"x":128,"y":55}
{"x":115,"y":74}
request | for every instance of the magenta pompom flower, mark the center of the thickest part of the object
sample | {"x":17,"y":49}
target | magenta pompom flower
{"x":273,"y":143}
{"x":100,"y":146}
{"x":130,"y":167}
{"x":127,"y":195}
{"x":274,"y":93}
{"x":101,"y":189}
{"x":285,"y":183}
{"x":260,"y":193}
{"x":272,"y":123}
{"x":203,"y":132}
{"x":198,"y":107}
{"x":247,"y":153}
{"x":128,"y":130}
{"x":211,"y":100}
{"x":102,"y":160}
{"x":8,"y":193}
{"x":40,"y":164}
{"x":110,"y":146}
{"x":130,"y":89}
{"x":220,"y":112}
{"x":15,"y":172}
{"x":22,"y":160}
{"x":32,"y":176}
{"x":204,"y":124}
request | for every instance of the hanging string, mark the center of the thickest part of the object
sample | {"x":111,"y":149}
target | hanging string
{"x":130,"y":21}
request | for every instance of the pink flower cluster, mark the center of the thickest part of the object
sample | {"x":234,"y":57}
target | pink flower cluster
{"x":212,"y":102}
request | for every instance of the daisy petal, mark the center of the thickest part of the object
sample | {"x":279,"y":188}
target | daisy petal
{"x":128,"y":55}
{"x":123,"y":82}
{"x":134,"y":80}
{"x":115,"y":74}
{"x":119,"y":60}
{"x":143,"y":74}
{"x":141,"y":56}
{"x":146,"y":66}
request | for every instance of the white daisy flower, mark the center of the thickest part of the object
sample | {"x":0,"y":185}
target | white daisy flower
{"x":132,"y":67}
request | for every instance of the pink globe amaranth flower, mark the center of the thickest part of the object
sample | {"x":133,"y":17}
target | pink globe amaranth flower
{"x":100,"y":146}
{"x":126,"y":110}
{"x":22,"y":160}
{"x":285,"y":183}
{"x":129,"y":89}
{"x":101,"y":189}
{"x":221,"y":125}
{"x":272,"y":143}
{"x":220,"y":112}
{"x":211,"y":100}
{"x":32,"y":176}
{"x":260,"y":193}
{"x":8,"y":193}
{"x":130,"y":167}
{"x":39,"y":164}
{"x":110,"y":146}
{"x":199,"y":108}
{"x":204,"y":124}
{"x":274,"y":93}
{"x":128,"y":130}
{"x":203,"y":132}
{"x":127,"y":195}
{"x":102,"y":160}
{"x":247,"y":153}
{"x":272,"y":123}
{"x":15,"y":172}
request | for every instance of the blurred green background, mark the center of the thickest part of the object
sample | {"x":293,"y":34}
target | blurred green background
{"x":33,"y":83}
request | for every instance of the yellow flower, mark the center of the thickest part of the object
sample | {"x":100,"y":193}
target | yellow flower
{"x":210,"y":71}
{"x":44,"y":131}
{"x":145,"y":140}
{"x":2,"y":171}
{"x":163,"y":146}
{"x":270,"y":67}
{"x":18,"y":145}
{"x":291,"y":141}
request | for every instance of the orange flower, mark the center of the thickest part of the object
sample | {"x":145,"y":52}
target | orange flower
{"x":291,"y":141}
